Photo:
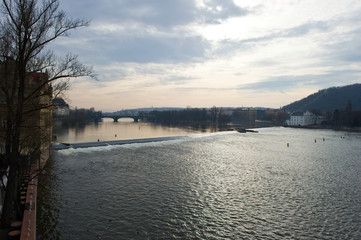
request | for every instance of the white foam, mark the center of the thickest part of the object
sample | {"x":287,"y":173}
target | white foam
{"x":71,"y":151}
{"x":154,"y":144}
{"x":133,"y":145}
{"x":213,"y":134}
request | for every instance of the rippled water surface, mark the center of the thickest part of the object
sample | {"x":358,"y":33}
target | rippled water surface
{"x":208,"y":186}
{"x":108,"y":130}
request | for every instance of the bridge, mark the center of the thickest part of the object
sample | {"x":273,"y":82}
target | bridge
{"x":116,"y":117}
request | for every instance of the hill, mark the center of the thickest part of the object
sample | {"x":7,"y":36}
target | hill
{"x":329,"y":99}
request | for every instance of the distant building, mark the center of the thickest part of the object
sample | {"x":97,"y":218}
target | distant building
{"x":60,"y":108}
{"x":304,"y":119}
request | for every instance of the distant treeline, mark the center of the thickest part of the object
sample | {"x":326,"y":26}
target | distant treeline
{"x":215,"y":115}
{"x":343,"y":118}
{"x":85,"y":115}
{"x":62,"y":112}
{"x":82,"y":116}
{"x":189,"y":116}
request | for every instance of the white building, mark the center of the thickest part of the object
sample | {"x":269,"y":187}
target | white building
{"x":305,"y":119}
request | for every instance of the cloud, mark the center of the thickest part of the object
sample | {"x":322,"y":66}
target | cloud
{"x":195,"y":47}
{"x":153,"y":49}
{"x":176,"y":79}
{"x":204,"y":89}
{"x":266,"y":62}
{"x":216,"y":11}
{"x":145,"y":31}
{"x":157,"y":74}
{"x":228,"y":46}
{"x":113,"y":47}
{"x":279,"y":83}
{"x":346,"y":49}
{"x":304,"y":29}
{"x":159,"y":13}
{"x":283,"y":83}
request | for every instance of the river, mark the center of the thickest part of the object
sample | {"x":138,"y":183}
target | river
{"x":125,"y":128}
{"x":280,"y":183}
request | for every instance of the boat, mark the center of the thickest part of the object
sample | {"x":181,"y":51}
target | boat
{"x":242,"y":130}
{"x":252,"y":131}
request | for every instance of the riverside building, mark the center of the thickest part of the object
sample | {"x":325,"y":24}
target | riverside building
{"x":36,"y":125}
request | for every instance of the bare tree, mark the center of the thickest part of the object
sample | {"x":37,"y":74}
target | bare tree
{"x":214,"y":114}
{"x":27,"y":27}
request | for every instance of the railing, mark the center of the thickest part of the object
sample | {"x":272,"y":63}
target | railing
{"x":28,"y":227}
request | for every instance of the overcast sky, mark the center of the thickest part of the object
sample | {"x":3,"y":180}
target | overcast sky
{"x":200,"y":53}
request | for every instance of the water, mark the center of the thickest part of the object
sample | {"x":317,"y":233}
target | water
{"x":207,"y":186}
{"x":125,"y":128}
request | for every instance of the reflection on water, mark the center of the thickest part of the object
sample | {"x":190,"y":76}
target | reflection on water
{"x":108,"y":130}
{"x":208,"y":186}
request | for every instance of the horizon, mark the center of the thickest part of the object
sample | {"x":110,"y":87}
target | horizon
{"x":178,"y":108}
{"x":211,"y":53}
{"x":182,"y":108}
{"x":209,"y":107}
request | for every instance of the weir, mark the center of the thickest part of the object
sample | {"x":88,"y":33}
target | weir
{"x":62,"y":146}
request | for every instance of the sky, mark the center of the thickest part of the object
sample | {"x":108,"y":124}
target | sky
{"x":204,"y":53}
